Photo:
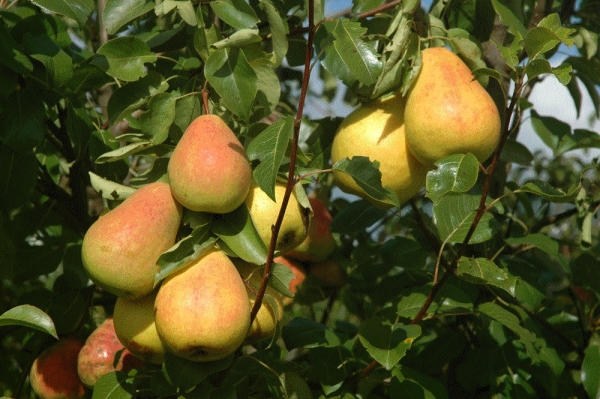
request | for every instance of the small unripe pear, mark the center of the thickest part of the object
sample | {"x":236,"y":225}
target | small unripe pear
{"x":264,"y":212}
{"x":101,"y":351}
{"x":202,"y":311}
{"x":209,"y":170}
{"x":376,"y":130}
{"x":448,"y":112}
{"x":53,"y":374}
{"x":121,"y":248}
{"x":136,"y":328}
{"x":319,"y":242}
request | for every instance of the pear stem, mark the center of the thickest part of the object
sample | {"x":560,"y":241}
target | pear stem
{"x":291,"y":181}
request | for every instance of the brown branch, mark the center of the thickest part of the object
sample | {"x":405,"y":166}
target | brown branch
{"x":291,"y":181}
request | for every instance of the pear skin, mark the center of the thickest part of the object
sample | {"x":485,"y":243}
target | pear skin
{"x":448,"y":112}
{"x":319,"y":242}
{"x":120,"y":249}
{"x":264,"y":212}
{"x":376,"y":130}
{"x":209,"y":170}
{"x":136,"y":328}
{"x":202,"y":312}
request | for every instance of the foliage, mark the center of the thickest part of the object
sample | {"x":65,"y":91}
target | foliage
{"x":486,"y":284}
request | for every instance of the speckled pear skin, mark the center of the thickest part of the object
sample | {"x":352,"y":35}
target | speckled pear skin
{"x":121,"y":248}
{"x":202,"y":312}
{"x":209,"y":170}
{"x":448,"y":112}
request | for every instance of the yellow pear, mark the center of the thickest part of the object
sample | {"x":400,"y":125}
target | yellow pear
{"x":319,"y":242}
{"x":202,"y":312}
{"x":209,"y":170}
{"x":376,"y":130}
{"x":264,"y":211}
{"x":270,"y":313}
{"x":448,"y":112}
{"x":120,"y":249}
{"x":136,"y":329}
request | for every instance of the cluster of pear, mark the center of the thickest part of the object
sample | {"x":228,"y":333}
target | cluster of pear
{"x":202,"y":311}
{"x":445,"y":112}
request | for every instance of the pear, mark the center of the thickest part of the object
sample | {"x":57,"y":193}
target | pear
{"x":319,"y":242}
{"x":299,"y":272}
{"x":53,"y":374}
{"x":270,"y":313}
{"x":376,"y":130}
{"x":121,"y":248}
{"x":264,"y":212}
{"x":202,"y":312}
{"x":448,"y":112}
{"x":209,"y":170}
{"x":136,"y":329}
{"x":329,"y":272}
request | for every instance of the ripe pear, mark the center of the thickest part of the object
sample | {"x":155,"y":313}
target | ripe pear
{"x":264,"y":212}
{"x":209,"y":170}
{"x":99,"y":353}
{"x":270,"y":313}
{"x":376,"y":130}
{"x":299,"y":273}
{"x":120,"y":249}
{"x":319,"y":242}
{"x":202,"y":311}
{"x":329,"y":272}
{"x":136,"y":329}
{"x":53,"y":374}
{"x":448,"y":112}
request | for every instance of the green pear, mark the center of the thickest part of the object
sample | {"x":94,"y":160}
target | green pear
{"x":209,"y":170}
{"x":53,"y":374}
{"x":448,"y":112}
{"x":121,"y":248}
{"x":264,"y":212}
{"x":136,"y":328}
{"x":202,"y":312}
{"x":270,"y":313}
{"x":319,"y":242}
{"x":376,"y":130}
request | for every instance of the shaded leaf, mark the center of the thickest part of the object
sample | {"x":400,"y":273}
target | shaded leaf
{"x":18,"y":176}
{"x":387,"y":343}
{"x":590,"y":371}
{"x":356,"y":217}
{"x":79,"y":10}
{"x":549,"y":192}
{"x":114,"y":385}
{"x":516,"y":152}
{"x":24,"y":126}
{"x":454,"y":174}
{"x":449,"y":299}
{"x":409,"y":383}
{"x":510,"y":20}
{"x":132,"y":96}
{"x":404,"y":252}
{"x":124,"y":58}
{"x":269,"y":147}
{"x":236,"y":13}
{"x":30,"y":317}
{"x":10,"y":54}
{"x":109,"y":189}
{"x":279,"y":30}
{"x":186,"y":374}
{"x":58,"y":64}
{"x":280,"y":279}
{"x":118,"y":12}
{"x":159,"y":117}
{"x":539,"y":240}
{"x":484,"y":271}
{"x":301,"y":332}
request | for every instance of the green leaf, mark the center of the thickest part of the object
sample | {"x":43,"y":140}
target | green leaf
{"x":268,"y":85}
{"x":454,"y":214}
{"x":347,"y":56}
{"x":124,"y":152}
{"x":185,"y":9}
{"x":356,"y":217}
{"x":18,"y":176}
{"x":280,"y":279}
{"x":10,"y":54}
{"x":540,"y":40}
{"x":79,"y":10}
{"x":586,"y":271}
{"x":114,"y":385}
{"x":30,"y":317}
{"x":190,"y":248}
{"x":228,"y":71}
{"x":537,"y":67}
{"x":563,"y":73}
{"x":549,"y":192}
{"x":186,"y":374}
{"x":516,"y":152}
{"x":238,"y":233}
{"x":58,"y":64}
{"x":279,"y":31}
{"x":132,"y":96}
{"x":540,"y":240}
{"x":409,"y":383}
{"x":236,"y":13}
{"x":269,"y":146}
{"x":23,"y":126}
{"x":510,"y":20}
{"x":404,"y":252}
{"x":590,"y":371}
{"x":554,"y":24}
{"x":449,"y":299}
{"x":109,"y":189}
{"x":124,"y":58}
{"x":368,"y":177}
{"x":240,"y":38}
{"x":454,"y":174}
{"x":159,"y":117}
{"x":301,"y":332}
{"x":483,"y":271}
{"x":387,"y":343}
{"x":118,"y":12}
